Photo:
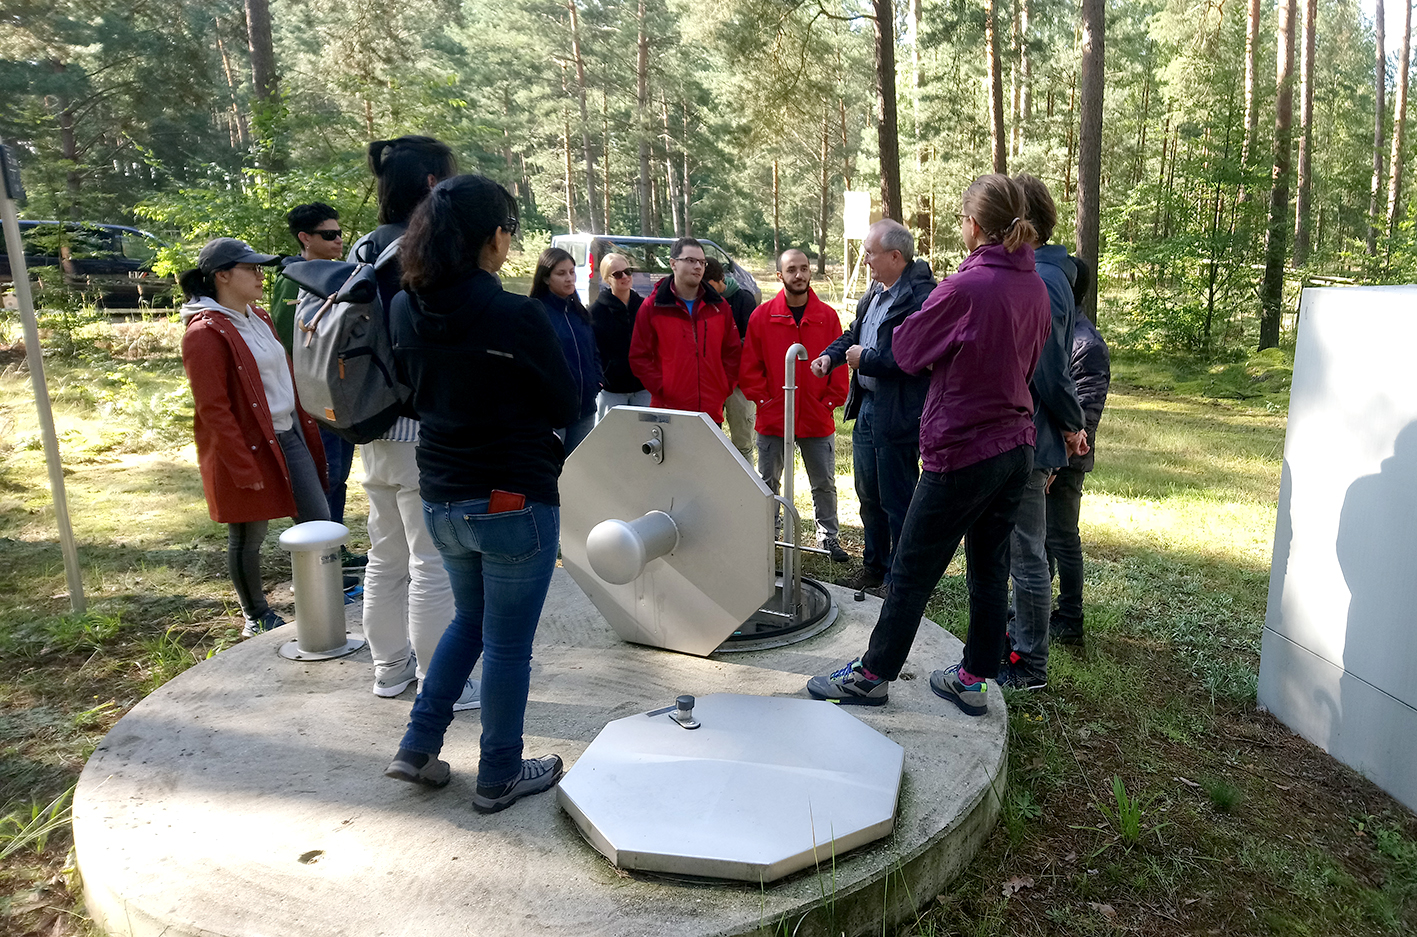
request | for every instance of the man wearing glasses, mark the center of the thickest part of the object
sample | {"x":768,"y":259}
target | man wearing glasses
{"x":612,"y":315}
{"x":685,"y":348}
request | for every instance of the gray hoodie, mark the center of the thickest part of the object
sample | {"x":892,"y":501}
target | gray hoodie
{"x":266,"y":349}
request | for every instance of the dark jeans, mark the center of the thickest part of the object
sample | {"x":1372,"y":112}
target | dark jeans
{"x":975,"y":504}
{"x":1065,"y":548}
{"x":243,"y":541}
{"x":500,"y":567}
{"x":339,"y":456}
{"x":885,"y":481}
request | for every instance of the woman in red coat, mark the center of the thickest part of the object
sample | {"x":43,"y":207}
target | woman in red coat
{"x":259,"y":453}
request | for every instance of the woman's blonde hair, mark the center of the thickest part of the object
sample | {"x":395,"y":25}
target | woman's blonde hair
{"x":998,"y":205}
{"x":613,"y":255}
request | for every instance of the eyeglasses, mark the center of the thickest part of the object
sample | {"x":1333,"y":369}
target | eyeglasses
{"x":511,"y":226}
{"x":622,"y":274}
{"x":329,"y":234}
{"x":693,"y":261}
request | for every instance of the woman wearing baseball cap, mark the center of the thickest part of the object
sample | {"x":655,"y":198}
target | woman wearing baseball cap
{"x":260,"y":455}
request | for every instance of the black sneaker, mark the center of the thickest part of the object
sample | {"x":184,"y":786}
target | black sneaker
{"x":865,"y":579}
{"x":538,"y":774}
{"x":1015,"y":677}
{"x":418,"y":768}
{"x":834,"y":550}
{"x":352,"y":560}
{"x":265,"y":623}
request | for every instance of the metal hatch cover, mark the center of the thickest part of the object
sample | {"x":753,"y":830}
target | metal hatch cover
{"x":760,"y":790}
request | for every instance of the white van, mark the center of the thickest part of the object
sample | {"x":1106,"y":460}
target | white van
{"x":649,"y":257}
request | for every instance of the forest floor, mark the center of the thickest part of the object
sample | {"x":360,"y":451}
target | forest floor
{"x":1147,"y":791}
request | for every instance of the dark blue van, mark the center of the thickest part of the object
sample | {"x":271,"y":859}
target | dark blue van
{"x":108,"y":262}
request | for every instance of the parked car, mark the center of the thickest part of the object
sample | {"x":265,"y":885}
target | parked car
{"x":112,"y":263}
{"x":648,"y":256}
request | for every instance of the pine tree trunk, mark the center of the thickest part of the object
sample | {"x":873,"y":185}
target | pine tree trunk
{"x":671,"y":193}
{"x":570,"y":174}
{"x":1015,"y":79}
{"x":776,"y":229}
{"x":243,"y":132}
{"x":1252,"y":53}
{"x":1399,"y":127}
{"x":1306,"y":136}
{"x":887,"y":134}
{"x":845,"y":145}
{"x":587,"y":152}
{"x":1027,"y":66}
{"x":1276,"y":243}
{"x":1090,"y":141}
{"x":997,"y":140}
{"x":1379,"y":112}
{"x":642,"y":105}
{"x":605,"y":163}
{"x":824,"y":180}
{"x":684,"y":185}
{"x":263,"y":55}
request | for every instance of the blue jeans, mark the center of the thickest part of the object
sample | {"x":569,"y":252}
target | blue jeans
{"x":500,"y":567}
{"x":607,"y":399}
{"x":339,"y":457}
{"x":1033,"y":586}
{"x":572,"y":435}
{"x":976,"y":504}
{"x":885,"y":481}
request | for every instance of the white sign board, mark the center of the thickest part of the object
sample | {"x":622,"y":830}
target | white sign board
{"x":856,"y":215}
{"x":1339,"y":658}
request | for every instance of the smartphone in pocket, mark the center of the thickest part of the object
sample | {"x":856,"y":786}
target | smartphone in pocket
{"x":505,"y":501}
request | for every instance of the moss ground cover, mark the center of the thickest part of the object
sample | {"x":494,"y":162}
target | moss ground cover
{"x":1147,"y":794}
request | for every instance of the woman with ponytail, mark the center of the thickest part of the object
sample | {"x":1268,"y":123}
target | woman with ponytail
{"x":490,"y":385}
{"x":259,"y":454}
{"x":979,"y":336}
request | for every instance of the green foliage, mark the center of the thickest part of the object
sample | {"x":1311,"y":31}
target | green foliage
{"x":32,"y":829}
{"x":1223,"y":795}
{"x":62,"y":634}
{"x":1125,"y":813}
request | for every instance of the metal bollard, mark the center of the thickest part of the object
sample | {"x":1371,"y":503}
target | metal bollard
{"x":319,"y":598}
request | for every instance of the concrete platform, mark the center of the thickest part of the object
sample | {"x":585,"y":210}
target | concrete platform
{"x":246,"y":799}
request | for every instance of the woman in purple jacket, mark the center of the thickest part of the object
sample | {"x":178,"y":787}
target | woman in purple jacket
{"x":979,"y":335}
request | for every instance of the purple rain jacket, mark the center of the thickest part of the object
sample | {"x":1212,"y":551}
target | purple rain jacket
{"x":980,"y":332}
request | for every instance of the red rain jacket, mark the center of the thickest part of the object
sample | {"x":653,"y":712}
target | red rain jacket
{"x":771,"y":331}
{"x":236,"y":440}
{"x":686,"y":362}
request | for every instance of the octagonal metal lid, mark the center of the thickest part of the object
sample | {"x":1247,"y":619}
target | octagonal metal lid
{"x":720,"y":573}
{"x":766,"y":786}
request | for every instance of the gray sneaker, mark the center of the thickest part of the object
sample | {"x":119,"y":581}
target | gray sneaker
{"x":538,"y":774}
{"x":850,"y":686}
{"x":418,"y":768}
{"x":393,"y":679}
{"x":471,"y":697}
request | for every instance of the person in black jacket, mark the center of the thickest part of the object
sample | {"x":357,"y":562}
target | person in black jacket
{"x":1092,"y":372}
{"x":490,"y":384}
{"x":612,"y":315}
{"x":738,"y":411}
{"x":885,"y":402}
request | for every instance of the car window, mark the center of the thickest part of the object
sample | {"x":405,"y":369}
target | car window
{"x":137,"y":246}
{"x":577,"y":250}
{"x":43,"y":239}
{"x":93,"y":242}
{"x":717,"y":253}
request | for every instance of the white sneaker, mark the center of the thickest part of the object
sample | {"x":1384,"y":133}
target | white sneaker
{"x":471,"y":697}
{"x":393,"y":679}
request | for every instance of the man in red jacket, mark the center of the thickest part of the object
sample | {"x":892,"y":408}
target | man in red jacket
{"x":792,"y":316}
{"x":685,"y":348}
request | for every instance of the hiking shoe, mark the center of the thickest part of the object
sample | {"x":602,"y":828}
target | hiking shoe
{"x":471,"y":697}
{"x":865,"y":579}
{"x":353,"y":593}
{"x":392,"y":679}
{"x":418,"y":768}
{"x":850,"y":686}
{"x":834,"y":550}
{"x":1014,"y":677}
{"x":1067,"y":636}
{"x":266,"y":622}
{"x":973,"y":698}
{"x":538,"y":774}
{"x":352,"y":560}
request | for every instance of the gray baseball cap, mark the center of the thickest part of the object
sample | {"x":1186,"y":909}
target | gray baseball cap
{"x":220,"y":253}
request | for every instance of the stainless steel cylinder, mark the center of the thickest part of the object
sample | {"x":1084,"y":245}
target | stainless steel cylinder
{"x":618,"y":550}
{"x":319,"y":598}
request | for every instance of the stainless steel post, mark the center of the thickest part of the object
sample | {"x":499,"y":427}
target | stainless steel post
{"x":35,"y":358}
{"x":319,"y":598}
{"x":789,"y":472}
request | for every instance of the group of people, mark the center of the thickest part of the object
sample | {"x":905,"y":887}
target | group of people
{"x":971,"y":375}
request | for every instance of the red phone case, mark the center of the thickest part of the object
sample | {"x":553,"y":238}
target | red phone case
{"x":505,"y":501}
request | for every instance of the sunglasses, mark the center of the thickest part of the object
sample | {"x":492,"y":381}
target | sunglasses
{"x":622,"y":274}
{"x":330,"y":234}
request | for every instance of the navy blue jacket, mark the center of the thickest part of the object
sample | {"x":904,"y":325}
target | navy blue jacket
{"x":614,"y":324}
{"x":900,"y":397}
{"x":1092,"y":372}
{"x":573,"y":328}
{"x":1055,"y":398}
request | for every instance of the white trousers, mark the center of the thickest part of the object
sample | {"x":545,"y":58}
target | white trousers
{"x":407,"y":599}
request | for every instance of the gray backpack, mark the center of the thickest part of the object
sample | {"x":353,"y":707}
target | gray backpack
{"x":342,"y":353}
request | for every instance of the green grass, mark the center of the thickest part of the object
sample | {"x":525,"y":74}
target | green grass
{"x":1221,"y":819}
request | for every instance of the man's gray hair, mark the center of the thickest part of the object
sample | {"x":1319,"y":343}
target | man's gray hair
{"x":894,"y":236}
